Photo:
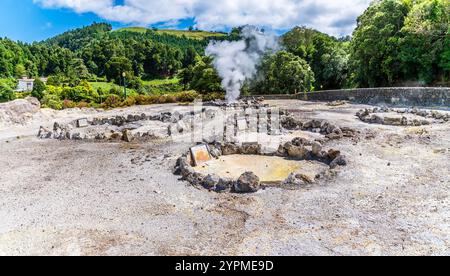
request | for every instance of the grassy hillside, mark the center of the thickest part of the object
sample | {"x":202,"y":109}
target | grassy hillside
{"x":162,"y":81}
{"x":105,"y":86}
{"x":179,"y":33}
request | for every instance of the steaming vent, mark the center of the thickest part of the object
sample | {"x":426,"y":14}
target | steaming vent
{"x":236,"y":62}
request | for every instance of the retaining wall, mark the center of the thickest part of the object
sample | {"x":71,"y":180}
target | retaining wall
{"x":409,"y":96}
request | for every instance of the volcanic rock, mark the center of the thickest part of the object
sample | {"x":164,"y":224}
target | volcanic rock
{"x":247,"y":183}
{"x":333,"y":154}
{"x":127,"y":136}
{"x":230,"y":149}
{"x":251,"y":148}
{"x":338,"y":161}
{"x":211,"y":181}
{"x":296,"y":151}
{"x":316,"y":148}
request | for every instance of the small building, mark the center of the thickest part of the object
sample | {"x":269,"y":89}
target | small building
{"x":26,"y":84}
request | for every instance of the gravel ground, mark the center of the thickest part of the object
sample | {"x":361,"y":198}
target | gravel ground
{"x":91,"y":198}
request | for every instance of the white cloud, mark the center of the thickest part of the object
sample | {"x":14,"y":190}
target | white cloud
{"x":333,"y":17}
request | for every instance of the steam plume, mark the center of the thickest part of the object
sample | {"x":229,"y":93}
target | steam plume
{"x":237,"y":61}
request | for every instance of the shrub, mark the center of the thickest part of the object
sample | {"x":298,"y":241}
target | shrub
{"x":134,"y":83}
{"x":6,"y":92}
{"x":187,"y":96}
{"x":82,"y":105}
{"x":130,"y":101}
{"x":55,"y":90}
{"x":213,"y":96}
{"x":38,"y":89}
{"x":116,"y":91}
{"x":94,"y":105}
{"x":141,"y":100}
{"x":113,"y":101}
{"x":21,"y":95}
{"x":69,"y":104}
{"x":164,"y":99}
{"x":84,"y":92}
{"x":56,"y":80}
{"x":159,"y":89}
{"x":52,"y":101}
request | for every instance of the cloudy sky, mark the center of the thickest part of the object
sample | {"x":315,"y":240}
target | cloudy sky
{"x":37,"y":19}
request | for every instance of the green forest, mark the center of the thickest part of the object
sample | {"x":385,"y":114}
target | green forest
{"x":395,"y":43}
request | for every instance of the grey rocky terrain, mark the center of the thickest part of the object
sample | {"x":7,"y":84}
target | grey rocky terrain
{"x":111,"y":196}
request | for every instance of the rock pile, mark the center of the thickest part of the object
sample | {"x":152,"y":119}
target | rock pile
{"x":337,"y":103}
{"x":323,"y":127}
{"x":235,"y":120}
{"x":77,"y":131}
{"x":298,"y":149}
{"x":402,"y":117}
{"x":302,"y":149}
{"x":121,"y":127}
{"x":251,"y":102}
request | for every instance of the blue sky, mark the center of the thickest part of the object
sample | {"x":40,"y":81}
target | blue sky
{"x":34,"y":20}
{"x":23,"y":20}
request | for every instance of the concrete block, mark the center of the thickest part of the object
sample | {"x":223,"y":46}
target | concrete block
{"x":82,"y":123}
{"x":242,"y":124}
{"x":200,"y":154}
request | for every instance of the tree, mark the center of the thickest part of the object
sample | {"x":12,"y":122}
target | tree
{"x":284,"y":73}
{"x":189,"y":57}
{"x":445,"y":57}
{"x":55,"y":80}
{"x":329,"y":62}
{"x":299,"y":41}
{"x":186,"y":75}
{"x":374,"y":48}
{"x":78,"y":70}
{"x":20,"y":71}
{"x":38,"y":89}
{"x":327,"y":56}
{"x":6,"y":92}
{"x":424,"y":45}
{"x":116,"y":67}
{"x":203,"y":77}
{"x":78,"y":38}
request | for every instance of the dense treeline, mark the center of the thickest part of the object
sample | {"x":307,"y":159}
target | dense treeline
{"x":327,"y":56}
{"x":396,"y":42}
{"x":78,"y":38}
{"x":97,"y":51}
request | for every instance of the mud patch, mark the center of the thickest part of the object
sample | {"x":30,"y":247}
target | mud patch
{"x":269,"y":169}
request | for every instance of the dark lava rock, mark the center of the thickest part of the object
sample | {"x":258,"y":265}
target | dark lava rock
{"x":230,"y":149}
{"x":251,"y":148}
{"x":247,"y":183}
{"x":211,"y":181}
{"x":339,"y":161}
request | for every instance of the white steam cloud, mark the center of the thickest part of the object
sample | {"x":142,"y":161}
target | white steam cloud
{"x":237,"y":61}
{"x":333,"y":17}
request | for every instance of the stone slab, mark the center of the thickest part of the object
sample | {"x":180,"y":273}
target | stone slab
{"x":200,"y":154}
{"x":82,"y":123}
{"x":242,"y":124}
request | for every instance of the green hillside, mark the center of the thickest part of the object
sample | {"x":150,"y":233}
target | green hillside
{"x":179,"y":33}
